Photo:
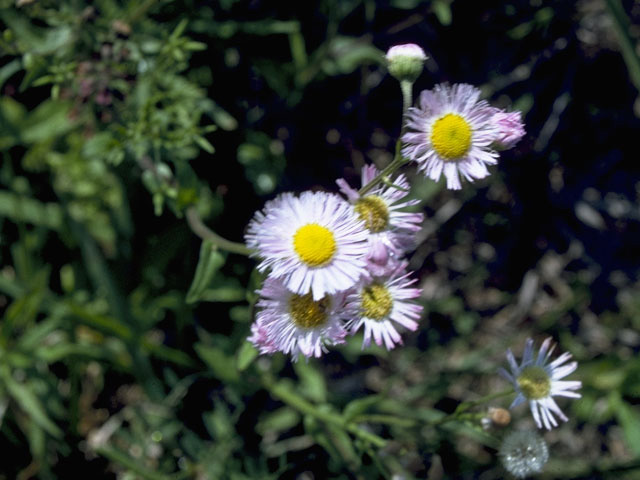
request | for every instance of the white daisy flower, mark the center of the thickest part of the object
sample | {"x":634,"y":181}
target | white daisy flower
{"x":379,"y":303}
{"x":391,"y":230}
{"x":296,"y":324}
{"x":451,"y":132}
{"x":537,"y":381}
{"x":313,"y":243}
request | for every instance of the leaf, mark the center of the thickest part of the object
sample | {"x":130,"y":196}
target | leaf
{"x":280,"y":420}
{"x":28,"y":210}
{"x":312,"y":383}
{"x":442,"y":10}
{"x":221,"y":364}
{"x":29,"y":403}
{"x":204,"y":144}
{"x":246,"y":355}
{"x":358,"y":406}
{"x":208,"y":264}
{"x":629,"y":420}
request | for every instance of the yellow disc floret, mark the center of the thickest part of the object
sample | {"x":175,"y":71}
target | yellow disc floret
{"x":376,"y":301}
{"x":314,"y":244}
{"x":534,"y":382}
{"x":451,"y":136}
{"x":373,"y":210}
{"x":307,"y":313}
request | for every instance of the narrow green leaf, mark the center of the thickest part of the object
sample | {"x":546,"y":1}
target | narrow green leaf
{"x":442,"y":10}
{"x":220,"y":364}
{"x":629,"y":420}
{"x":312,"y":383}
{"x":279,"y":420}
{"x":208,"y":264}
{"x":359,"y":406}
{"x":29,"y":403}
{"x":246,"y":355}
{"x":204,"y":144}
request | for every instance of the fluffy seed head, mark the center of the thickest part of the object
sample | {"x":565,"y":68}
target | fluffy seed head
{"x":523,"y":453}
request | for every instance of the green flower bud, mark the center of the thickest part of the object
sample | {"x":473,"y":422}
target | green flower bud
{"x":405,"y":62}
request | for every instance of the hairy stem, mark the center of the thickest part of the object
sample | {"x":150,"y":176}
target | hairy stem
{"x":281,"y":391}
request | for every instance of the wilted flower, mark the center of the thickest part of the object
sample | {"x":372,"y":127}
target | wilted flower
{"x":382,"y":302}
{"x":537,"y":381}
{"x":451,"y":132}
{"x":523,"y":453}
{"x":405,"y":62}
{"x":391,"y":230}
{"x":296,"y":324}
{"x":313,"y":243}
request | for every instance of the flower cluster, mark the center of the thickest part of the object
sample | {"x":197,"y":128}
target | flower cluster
{"x":334,"y":266}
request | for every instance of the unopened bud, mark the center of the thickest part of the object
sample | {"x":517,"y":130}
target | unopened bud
{"x":523,"y":453}
{"x":500,"y":416}
{"x":405,"y":62}
{"x":496,"y":417}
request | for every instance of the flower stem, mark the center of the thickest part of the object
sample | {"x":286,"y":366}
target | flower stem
{"x":407,"y":97}
{"x":284,"y":393}
{"x":398,"y":160}
{"x":383,"y":176}
{"x":199,"y":228}
{"x":459,"y":412}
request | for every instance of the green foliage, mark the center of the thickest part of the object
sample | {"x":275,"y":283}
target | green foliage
{"x":120,"y":342}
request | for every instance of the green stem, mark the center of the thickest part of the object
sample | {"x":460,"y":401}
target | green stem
{"x":397,"y":162}
{"x":407,"y":97}
{"x":385,"y":419}
{"x":281,"y":391}
{"x":200,"y":229}
{"x":459,"y":413}
{"x":621,"y":24}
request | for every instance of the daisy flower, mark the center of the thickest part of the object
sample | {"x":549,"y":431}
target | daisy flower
{"x":313,"y":243}
{"x":538,"y":381}
{"x":391,"y":230}
{"x":451,"y":132}
{"x":381,"y":302}
{"x":296,"y":324}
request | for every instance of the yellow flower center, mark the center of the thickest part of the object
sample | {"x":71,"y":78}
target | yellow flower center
{"x":534,"y":383}
{"x":373,"y":210}
{"x":376,"y":301}
{"x":306,"y":312}
{"x":451,"y":136}
{"x":314,"y":244}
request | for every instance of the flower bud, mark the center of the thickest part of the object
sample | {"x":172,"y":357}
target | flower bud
{"x":496,"y":417}
{"x":510,"y":129}
{"x":405,"y":62}
{"x":523,"y":453}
